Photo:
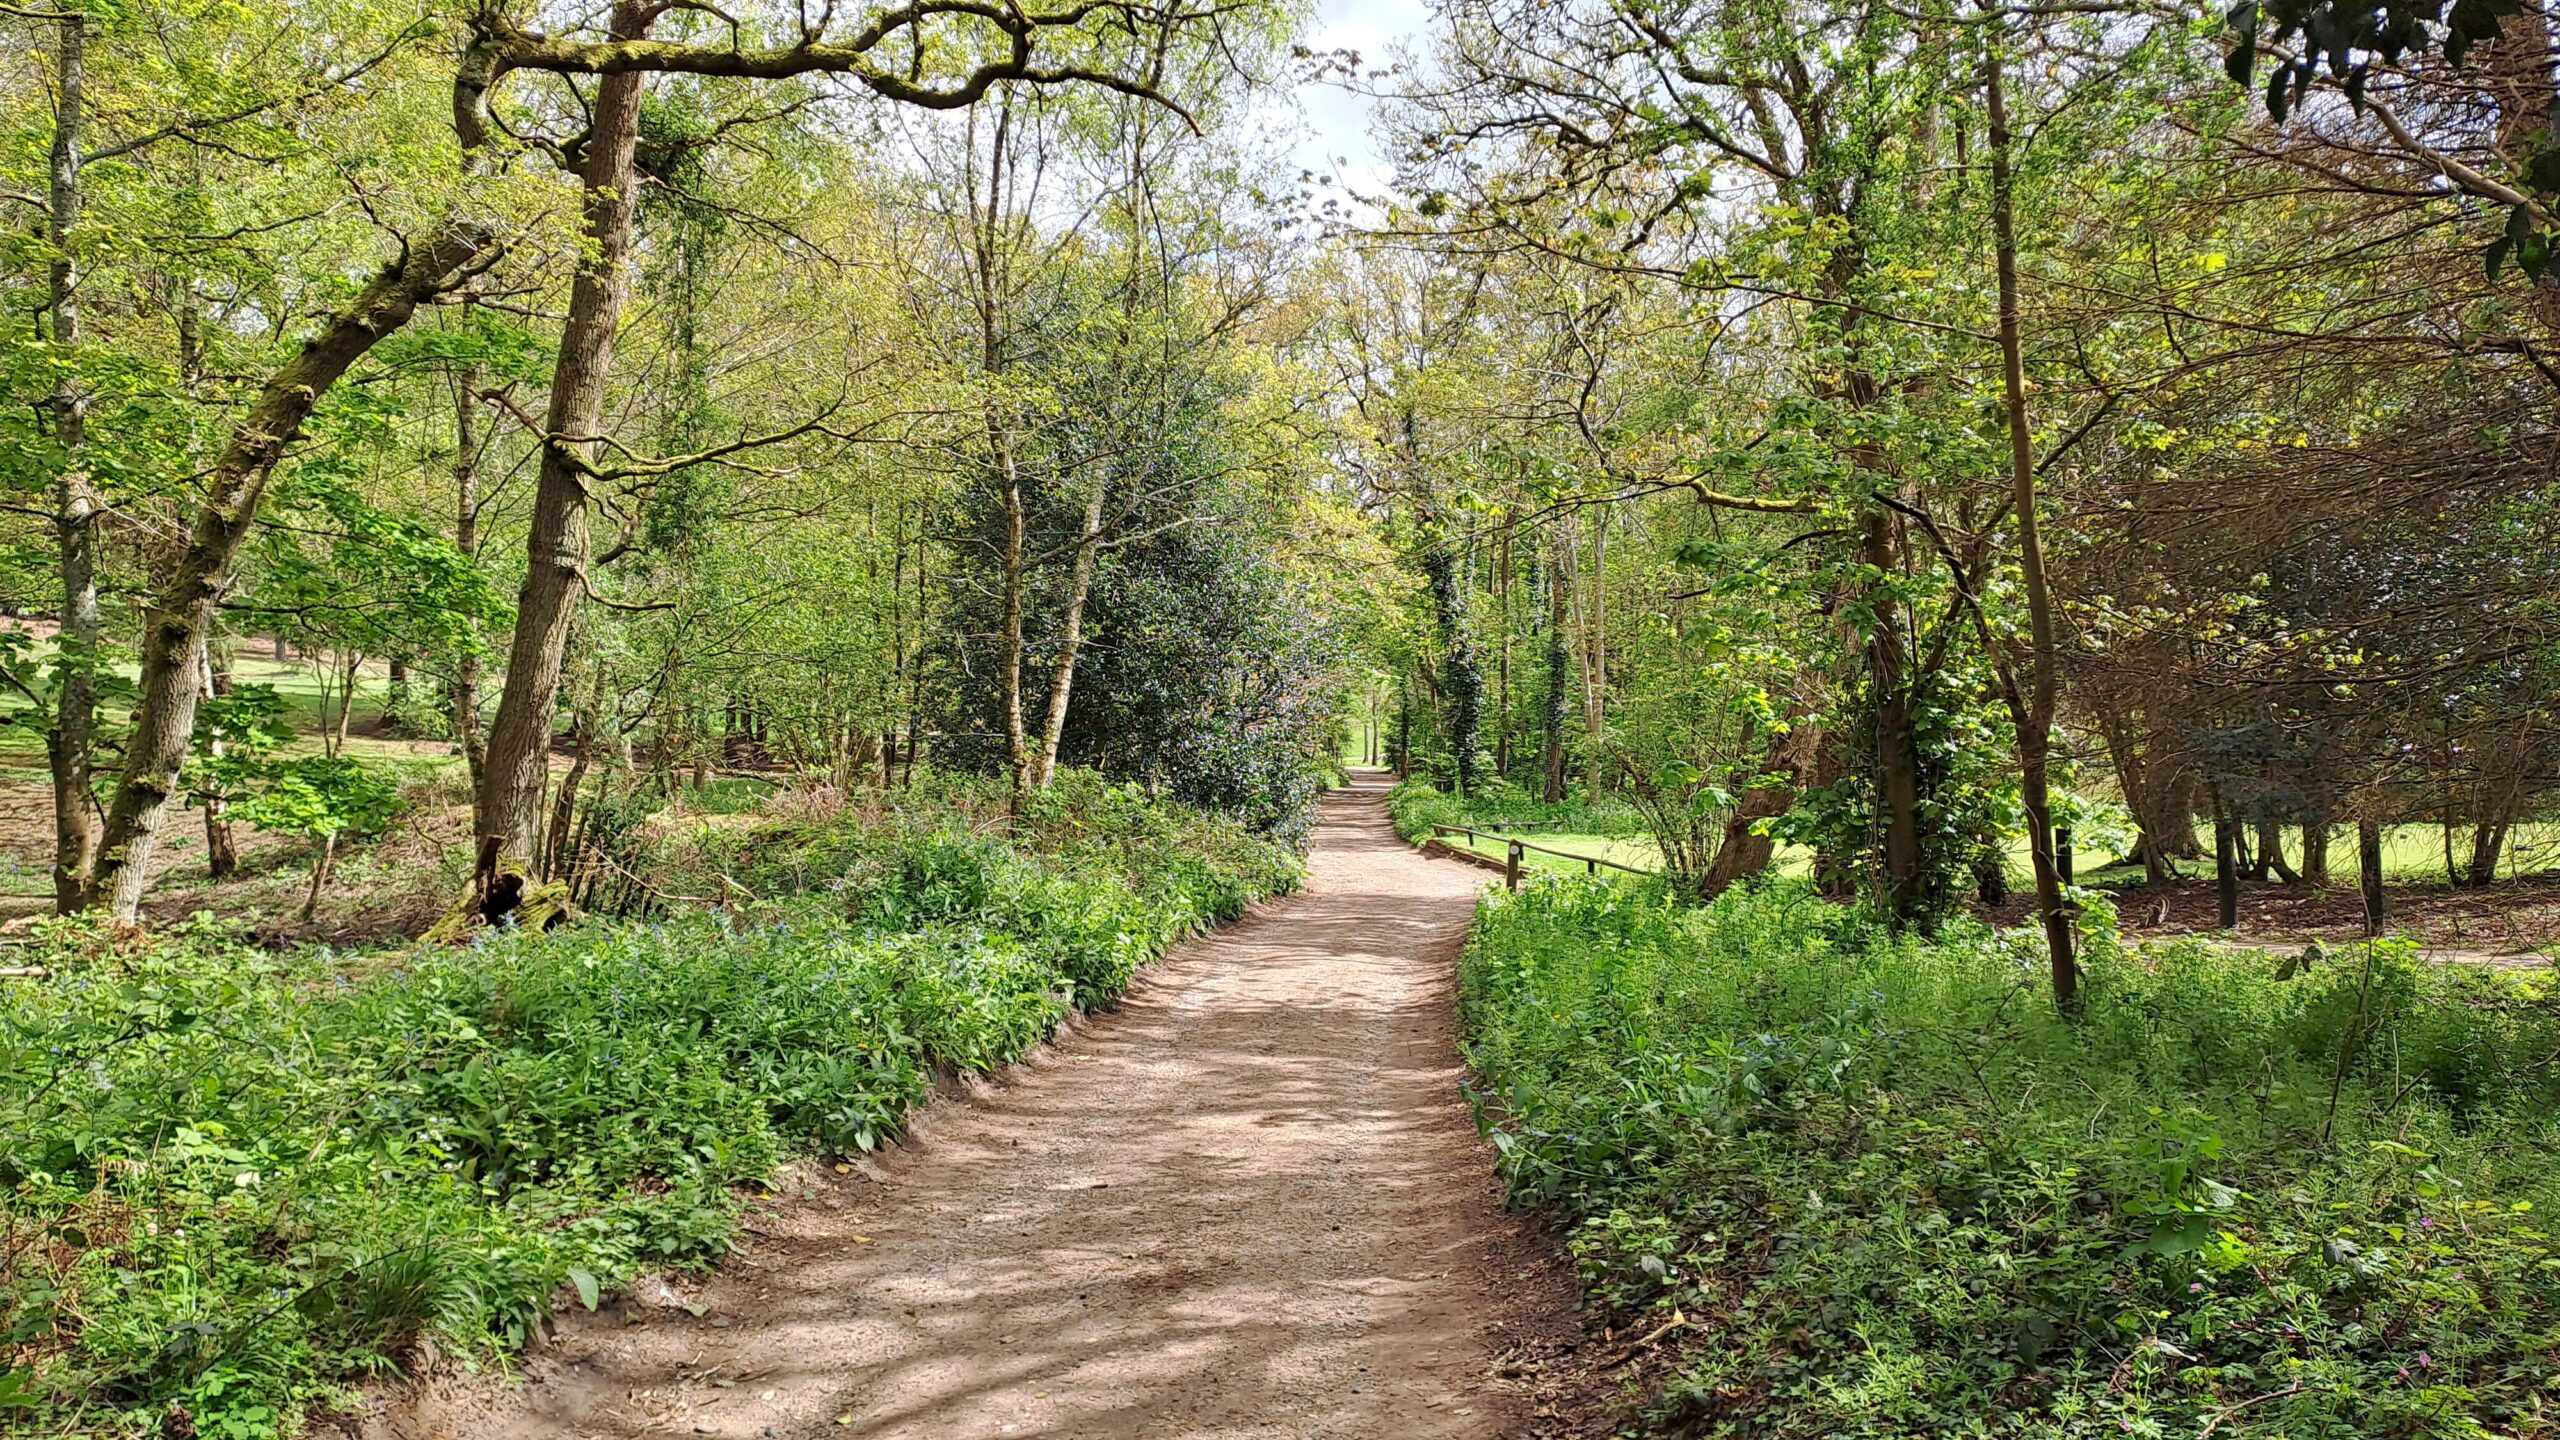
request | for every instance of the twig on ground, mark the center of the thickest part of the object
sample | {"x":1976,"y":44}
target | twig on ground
{"x":2224,"y":1414}
{"x":1677,"y":1321}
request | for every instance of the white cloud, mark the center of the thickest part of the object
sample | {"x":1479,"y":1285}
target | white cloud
{"x":1338,"y":142}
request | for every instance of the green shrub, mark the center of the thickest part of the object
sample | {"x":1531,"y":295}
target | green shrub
{"x":232,"y":1181}
{"x":1891,"y":1194}
{"x":1416,"y":805}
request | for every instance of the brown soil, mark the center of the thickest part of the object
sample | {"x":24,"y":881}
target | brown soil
{"x":1248,"y":1203}
{"x":2515,"y":919}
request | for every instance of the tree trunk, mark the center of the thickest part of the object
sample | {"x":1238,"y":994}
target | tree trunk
{"x":585,"y":721}
{"x":1990,"y":875}
{"x":395,"y":695}
{"x":180,"y":617}
{"x":2377,"y":904}
{"x":1835,"y":875}
{"x":2158,"y":788}
{"x":2226,"y":868}
{"x":2271,"y":863}
{"x":2034,"y":718}
{"x":221,"y":845}
{"x":1897,"y":759}
{"x":2315,"y":853}
{"x":2488,"y":845}
{"x":2165,"y":837}
{"x":1559,"y":662}
{"x":464,"y":704}
{"x":1746,"y":851}
{"x":1404,"y":728}
{"x":916,"y":668}
{"x":71,"y":738}
{"x":352,"y":668}
{"x":1595,"y":659}
{"x":1017,"y":744}
{"x":898,"y":649}
{"x":221,"y":842}
{"x":519,"y":758}
{"x":1502,"y":663}
{"x":320,"y":868}
{"x":1062,"y":674}
{"x":1463,"y":680}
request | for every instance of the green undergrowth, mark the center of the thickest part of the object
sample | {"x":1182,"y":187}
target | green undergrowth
{"x":1885,"y":1191}
{"x":1084,"y":828}
{"x":1416,"y":805}
{"x":237,"y":1182}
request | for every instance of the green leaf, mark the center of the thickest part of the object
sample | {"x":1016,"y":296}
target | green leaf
{"x":589,"y":1292}
{"x":2533,"y":255}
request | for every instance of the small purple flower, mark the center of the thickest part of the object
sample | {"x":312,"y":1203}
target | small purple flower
{"x":2426,"y":1222}
{"x":2195,"y":1287}
{"x":2426,"y":1361}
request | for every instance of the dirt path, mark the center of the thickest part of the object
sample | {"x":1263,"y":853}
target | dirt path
{"x":1249,"y":1203}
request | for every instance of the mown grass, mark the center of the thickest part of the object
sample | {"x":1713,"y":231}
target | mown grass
{"x":1416,"y":805}
{"x":1637,"y":852}
{"x":1885,"y":1190}
{"x":2412,"y":854}
{"x":236,"y":1182}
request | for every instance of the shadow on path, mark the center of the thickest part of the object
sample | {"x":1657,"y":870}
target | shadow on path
{"x":1248,"y":1203}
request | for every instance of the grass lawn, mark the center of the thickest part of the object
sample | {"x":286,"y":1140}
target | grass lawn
{"x":2411,"y":854}
{"x":1625,"y":850}
{"x":1355,"y":746}
{"x":26,"y":816}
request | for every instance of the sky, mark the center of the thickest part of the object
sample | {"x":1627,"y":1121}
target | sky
{"x":1338,"y":121}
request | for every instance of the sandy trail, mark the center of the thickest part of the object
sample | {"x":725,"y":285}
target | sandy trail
{"x":1248,"y":1203}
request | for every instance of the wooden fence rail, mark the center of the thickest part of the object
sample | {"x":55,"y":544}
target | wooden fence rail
{"x":1514,"y":847}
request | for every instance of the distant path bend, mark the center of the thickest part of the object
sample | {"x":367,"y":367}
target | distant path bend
{"x":1249,"y":1203}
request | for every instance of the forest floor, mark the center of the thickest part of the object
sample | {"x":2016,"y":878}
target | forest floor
{"x":382,"y":890}
{"x":2515,"y":921}
{"x":1249,"y":1202}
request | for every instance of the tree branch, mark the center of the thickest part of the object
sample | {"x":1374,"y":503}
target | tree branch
{"x":498,"y":46}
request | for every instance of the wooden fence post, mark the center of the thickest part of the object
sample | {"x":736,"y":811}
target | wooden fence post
{"x":1511,"y":867}
{"x":2226,"y":868}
